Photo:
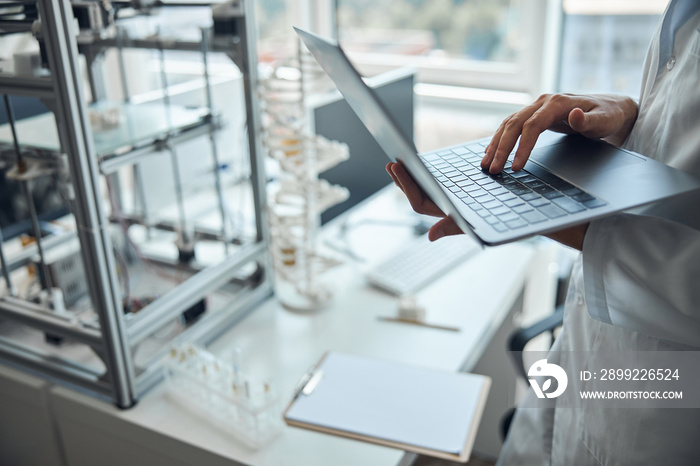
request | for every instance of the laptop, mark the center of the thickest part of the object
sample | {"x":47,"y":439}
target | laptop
{"x":568,"y":179}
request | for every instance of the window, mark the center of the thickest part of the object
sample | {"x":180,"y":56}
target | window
{"x":489,"y":44}
{"x":524,"y":46}
{"x":274,"y":28}
{"x":605,"y":43}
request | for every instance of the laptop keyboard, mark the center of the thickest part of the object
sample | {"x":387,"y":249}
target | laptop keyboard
{"x":509,"y":200}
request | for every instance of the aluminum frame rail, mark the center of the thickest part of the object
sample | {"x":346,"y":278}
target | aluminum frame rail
{"x":95,"y":243}
{"x":27,"y":87}
{"x":110,"y":163}
{"x":244,"y":54}
{"x":211,"y":327}
{"x":115,"y":341}
{"x":56,"y":367}
{"x":178,"y":300}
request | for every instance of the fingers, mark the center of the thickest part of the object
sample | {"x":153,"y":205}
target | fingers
{"x":596,"y":116}
{"x":490,"y":150}
{"x":506,"y":136}
{"x":548,"y":111}
{"x":391,"y":174}
{"x":532,"y":128}
{"x":445,"y":227}
{"x":509,"y":137}
{"x":419,"y":202}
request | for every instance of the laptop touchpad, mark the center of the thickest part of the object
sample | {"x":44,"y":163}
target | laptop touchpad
{"x":580,"y":157}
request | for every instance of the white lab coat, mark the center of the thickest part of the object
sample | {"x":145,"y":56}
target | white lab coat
{"x":635,"y":288}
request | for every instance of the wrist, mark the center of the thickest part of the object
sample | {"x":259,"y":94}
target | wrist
{"x":572,"y":237}
{"x":629,"y":111}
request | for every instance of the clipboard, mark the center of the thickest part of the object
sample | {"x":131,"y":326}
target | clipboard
{"x":411,"y":408}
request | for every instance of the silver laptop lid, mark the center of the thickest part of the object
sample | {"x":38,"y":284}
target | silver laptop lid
{"x":378,"y":121}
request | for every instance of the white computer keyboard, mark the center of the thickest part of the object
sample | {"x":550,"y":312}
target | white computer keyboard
{"x":419,"y":262}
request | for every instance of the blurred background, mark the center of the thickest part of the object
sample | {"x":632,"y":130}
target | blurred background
{"x":480,"y":60}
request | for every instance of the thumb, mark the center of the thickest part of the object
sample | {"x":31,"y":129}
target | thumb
{"x":445,"y":227}
{"x":590,"y":124}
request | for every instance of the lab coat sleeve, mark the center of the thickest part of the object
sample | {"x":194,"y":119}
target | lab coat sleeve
{"x":643,"y":273}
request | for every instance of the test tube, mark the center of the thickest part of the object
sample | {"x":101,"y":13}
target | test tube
{"x":237,"y":361}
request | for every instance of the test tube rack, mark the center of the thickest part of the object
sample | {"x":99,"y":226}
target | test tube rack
{"x":222,"y":395}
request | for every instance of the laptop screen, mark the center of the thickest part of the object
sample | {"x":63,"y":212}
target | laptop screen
{"x":360,"y":97}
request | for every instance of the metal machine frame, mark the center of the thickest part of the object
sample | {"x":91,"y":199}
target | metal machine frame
{"x":115,"y":339}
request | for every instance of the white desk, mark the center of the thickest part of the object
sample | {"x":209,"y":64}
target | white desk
{"x":475,"y":297}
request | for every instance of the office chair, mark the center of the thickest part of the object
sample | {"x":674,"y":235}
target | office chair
{"x":521,"y":337}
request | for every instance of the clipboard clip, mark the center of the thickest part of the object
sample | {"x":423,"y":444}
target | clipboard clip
{"x":308,"y":382}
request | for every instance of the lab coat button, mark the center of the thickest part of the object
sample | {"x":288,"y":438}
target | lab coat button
{"x":579,"y":298}
{"x":671,"y":63}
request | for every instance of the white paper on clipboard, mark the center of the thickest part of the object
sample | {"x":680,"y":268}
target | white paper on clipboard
{"x":413,"y":408}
